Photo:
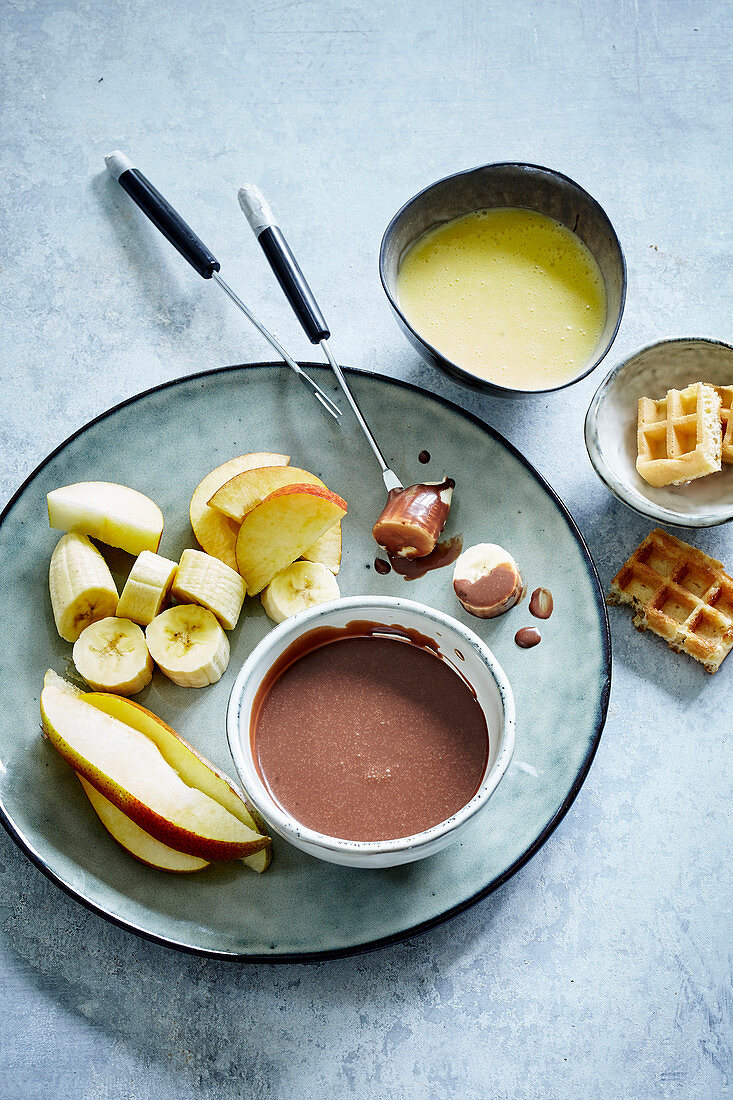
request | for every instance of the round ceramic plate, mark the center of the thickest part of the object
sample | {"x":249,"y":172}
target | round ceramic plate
{"x":162,"y":443}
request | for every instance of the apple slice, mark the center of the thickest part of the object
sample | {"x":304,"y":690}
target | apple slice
{"x":215,"y":533}
{"x":243,"y":492}
{"x":114,"y":514}
{"x":138,"y":843}
{"x":326,"y":549}
{"x":129,"y":770}
{"x":277,"y":531}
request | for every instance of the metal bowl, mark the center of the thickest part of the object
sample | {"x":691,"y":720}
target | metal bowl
{"x":500,"y":185}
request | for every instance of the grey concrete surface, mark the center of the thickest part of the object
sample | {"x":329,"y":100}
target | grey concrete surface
{"x":603,"y":967}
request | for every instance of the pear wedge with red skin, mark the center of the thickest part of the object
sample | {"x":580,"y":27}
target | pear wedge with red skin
{"x":193,"y":768}
{"x":135,"y":840}
{"x":127,"y":768}
{"x":277,"y":531}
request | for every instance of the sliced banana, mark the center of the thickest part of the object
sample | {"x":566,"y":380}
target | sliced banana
{"x":81,"y":585}
{"x":112,"y":655}
{"x":188,"y":644}
{"x":302,"y":585}
{"x":146,"y":588}
{"x":205,"y":580}
{"x":486,"y":580}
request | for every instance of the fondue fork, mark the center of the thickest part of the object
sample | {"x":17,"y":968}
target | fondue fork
{"x":182,"y":237}
{"x":287,"y":272}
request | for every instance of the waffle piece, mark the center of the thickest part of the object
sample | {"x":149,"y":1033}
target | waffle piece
{"x":725,"y":393}
{"x":681,"y":594}
{"x":680,"y":437}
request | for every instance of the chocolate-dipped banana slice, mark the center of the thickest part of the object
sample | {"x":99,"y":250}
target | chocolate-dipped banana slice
{"x":486,"y":580}
{"x":411,"y":521}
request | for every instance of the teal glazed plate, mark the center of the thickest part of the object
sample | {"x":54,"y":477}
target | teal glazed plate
{"x":163,"y":442}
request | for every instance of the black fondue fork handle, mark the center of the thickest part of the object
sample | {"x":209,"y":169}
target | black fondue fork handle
{"x":283,"y":263}
{"x":192,"y":248}
{"x":300,"y":296}
{"x":162,"y":215}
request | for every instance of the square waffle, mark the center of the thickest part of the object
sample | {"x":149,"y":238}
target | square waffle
{"x":679,"y":437}
{"x":725,"y":393}
{"x":681,"y":594}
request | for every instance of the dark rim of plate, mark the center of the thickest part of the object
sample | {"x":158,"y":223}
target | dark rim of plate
{"x":474,"y":380}
{"x":433,"y":922}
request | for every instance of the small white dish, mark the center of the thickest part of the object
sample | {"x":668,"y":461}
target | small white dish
{"x":610,"y":431}
{"x":478,"y":666}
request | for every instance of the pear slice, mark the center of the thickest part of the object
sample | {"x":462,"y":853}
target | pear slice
{"x":138,"y":843}
{"x":129,"y":770}
{"x":193,"y":768}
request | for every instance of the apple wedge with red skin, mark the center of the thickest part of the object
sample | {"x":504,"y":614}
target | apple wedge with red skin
{"x":327,"y":549}
{"x":193,"y":768}
{"x":135,"y":840}
{"x":277,"y":531}
{"x":247,"y":489}
{"x":128,"y":769}
{"x":215,"y":533}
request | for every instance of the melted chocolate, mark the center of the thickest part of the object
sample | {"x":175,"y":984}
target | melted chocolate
{"x":424,"y":457}
{"x":541,"y":605}
{"x":382,"y":566}
{"x":528,"y":637}
{"x":497,"y":590}
{"x":368,"y":733}
{"x":412,"y":519}
{"x":445,"y":553}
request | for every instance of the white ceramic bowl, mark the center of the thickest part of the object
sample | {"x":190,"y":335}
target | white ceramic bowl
{"x":479,"y":667}
{"x":610,"y":431}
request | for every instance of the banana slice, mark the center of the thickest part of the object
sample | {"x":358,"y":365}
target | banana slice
{"x":486,"y":580}
{"x":205,"y":580}
{"x":112,"y":655}
{"x":146,"y":588}
{"x":188,"y":644}
{"x":303,"y":584}
{"x":81,"y":586}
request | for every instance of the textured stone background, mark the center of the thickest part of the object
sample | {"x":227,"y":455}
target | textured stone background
{"x":603,"y":967}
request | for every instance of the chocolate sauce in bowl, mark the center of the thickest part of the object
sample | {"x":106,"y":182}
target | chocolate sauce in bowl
{"x":366,"y":733}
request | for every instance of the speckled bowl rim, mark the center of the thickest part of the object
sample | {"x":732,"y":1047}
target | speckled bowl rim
{"x":447,"y":914}
{"x":289,"y":631}
{"x":620,"y":489}
{"x":475,"y":380}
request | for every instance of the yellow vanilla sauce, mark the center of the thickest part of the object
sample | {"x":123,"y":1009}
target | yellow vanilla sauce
{"x":510,"y":295}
